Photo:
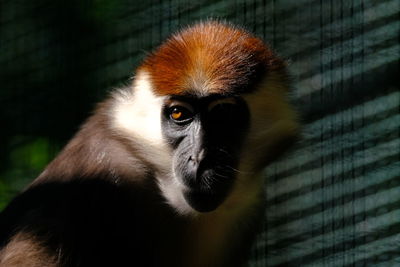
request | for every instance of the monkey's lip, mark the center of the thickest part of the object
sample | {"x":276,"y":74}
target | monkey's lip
{"x":207,"y":183}
{"x":205,"y":189}
{"x":203,"y":201}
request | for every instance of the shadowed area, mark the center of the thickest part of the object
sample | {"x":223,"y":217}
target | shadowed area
{"x":77,"y":214}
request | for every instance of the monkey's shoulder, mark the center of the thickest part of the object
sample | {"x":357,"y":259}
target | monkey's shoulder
{"x":92,"y":222}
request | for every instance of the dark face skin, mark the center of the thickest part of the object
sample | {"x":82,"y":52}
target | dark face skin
{"x":206,"y":135}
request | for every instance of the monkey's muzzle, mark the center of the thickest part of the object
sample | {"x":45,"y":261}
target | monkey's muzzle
{"x":207,"y":187}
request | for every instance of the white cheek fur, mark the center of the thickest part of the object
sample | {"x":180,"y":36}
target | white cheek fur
{"x":138,"y":111}
{"x":137,"y":114}
{"x":172,"y":190}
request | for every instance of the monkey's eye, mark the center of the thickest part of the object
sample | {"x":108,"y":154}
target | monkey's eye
{"x":180,"y":114}
{"x":224,"y":102}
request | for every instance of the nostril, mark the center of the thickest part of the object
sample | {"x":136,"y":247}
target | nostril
{"x":197,"y":158}
{"x":193,"y":159}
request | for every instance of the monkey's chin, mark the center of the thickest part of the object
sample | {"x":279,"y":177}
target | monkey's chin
{"x":206,"y":189}
{"x":203,"y":201}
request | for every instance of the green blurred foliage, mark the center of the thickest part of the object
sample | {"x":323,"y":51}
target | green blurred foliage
{"x":26,"y":160}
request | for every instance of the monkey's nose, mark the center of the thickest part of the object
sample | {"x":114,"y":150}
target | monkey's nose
{"x":198,"y":157}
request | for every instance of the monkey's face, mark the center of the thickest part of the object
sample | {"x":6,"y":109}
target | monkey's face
{"x":221,"y":93}
{"x":206,"y":135}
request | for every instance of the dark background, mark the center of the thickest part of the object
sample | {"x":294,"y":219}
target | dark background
{"x":334,"y":201}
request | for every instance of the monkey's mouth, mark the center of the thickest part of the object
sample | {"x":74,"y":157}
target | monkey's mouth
{"x":210,"y":189}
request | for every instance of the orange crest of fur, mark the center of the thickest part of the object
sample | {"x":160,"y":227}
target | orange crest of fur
{"x":210,"y":57}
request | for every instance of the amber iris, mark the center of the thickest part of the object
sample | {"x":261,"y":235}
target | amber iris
{"x":176,"y":114}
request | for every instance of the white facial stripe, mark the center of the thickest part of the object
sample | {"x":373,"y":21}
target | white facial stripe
{"x":172,"y":191}
{"x":137,"y":113}
{"x":229,"y":100}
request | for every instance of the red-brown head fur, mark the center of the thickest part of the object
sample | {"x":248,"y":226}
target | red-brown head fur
{"x":210,"y":57}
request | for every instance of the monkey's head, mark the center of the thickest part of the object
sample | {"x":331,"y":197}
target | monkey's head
{"x":206,"y":107}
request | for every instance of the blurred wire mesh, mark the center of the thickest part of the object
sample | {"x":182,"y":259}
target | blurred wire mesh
{"x":334,"y":201}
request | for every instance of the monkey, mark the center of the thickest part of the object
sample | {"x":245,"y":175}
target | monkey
{"x":167,"y":171}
